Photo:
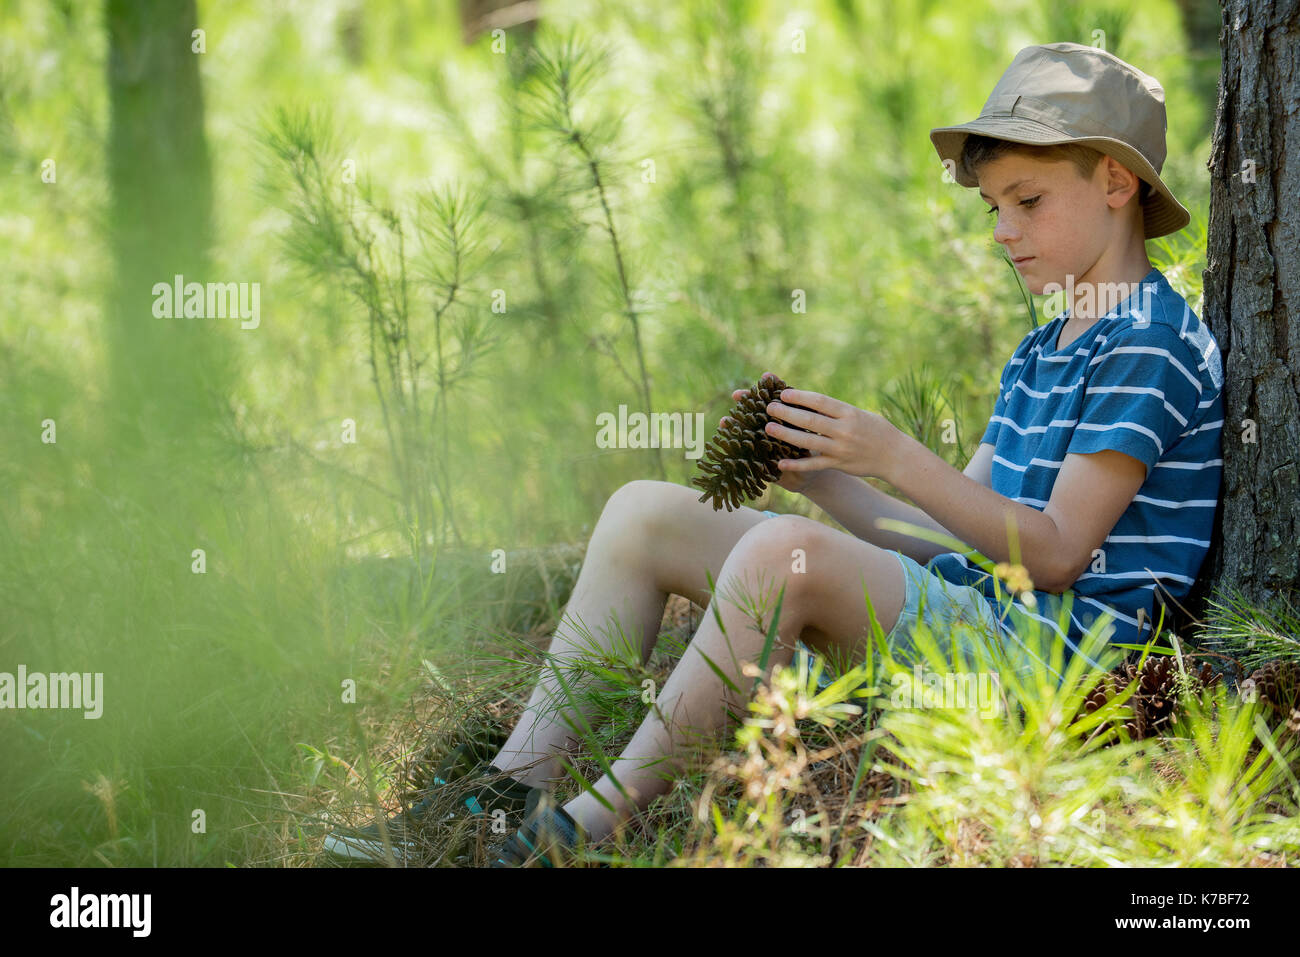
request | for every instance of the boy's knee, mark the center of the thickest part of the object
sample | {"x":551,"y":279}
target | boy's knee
{"x":785,"y":544}
{"x":785,"y":529}
{"x":637,"y":497}
{"x":637,"y":510}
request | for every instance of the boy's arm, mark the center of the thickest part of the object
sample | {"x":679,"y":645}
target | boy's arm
{"x":856,"y":505}
{"x":1056,"y":544}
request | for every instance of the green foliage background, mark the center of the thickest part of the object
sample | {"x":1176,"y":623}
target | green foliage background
{"x":774,"y":171}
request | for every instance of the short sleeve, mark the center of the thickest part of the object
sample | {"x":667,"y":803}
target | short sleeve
{"x":1141,"y":393}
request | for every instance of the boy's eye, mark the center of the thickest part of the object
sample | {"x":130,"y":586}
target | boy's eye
{"x":1031,"y":202}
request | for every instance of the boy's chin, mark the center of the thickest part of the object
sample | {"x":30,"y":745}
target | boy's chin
{"x":1036,"y":283}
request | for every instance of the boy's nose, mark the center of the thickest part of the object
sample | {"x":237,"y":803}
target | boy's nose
{"x":1004,"y":232}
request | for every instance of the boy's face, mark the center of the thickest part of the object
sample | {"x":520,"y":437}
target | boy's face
{"x":1047,"y":211}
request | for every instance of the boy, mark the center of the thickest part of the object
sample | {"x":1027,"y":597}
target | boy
{"x":1135,"y":397}
{"x":1103,"y":452}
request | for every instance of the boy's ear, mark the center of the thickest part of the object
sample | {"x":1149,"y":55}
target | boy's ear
{"x":1121,"y":182}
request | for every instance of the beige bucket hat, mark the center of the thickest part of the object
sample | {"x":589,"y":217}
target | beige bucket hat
{"x":1070,"y":93}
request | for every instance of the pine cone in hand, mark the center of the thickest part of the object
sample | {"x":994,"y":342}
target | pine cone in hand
{"x":741,"y":458}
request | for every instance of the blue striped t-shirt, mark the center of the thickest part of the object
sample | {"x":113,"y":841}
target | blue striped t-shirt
{"x":1146,"y":380}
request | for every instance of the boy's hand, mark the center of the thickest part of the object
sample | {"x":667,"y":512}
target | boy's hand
{"x":853,"y":440}
{"x":790,"y":481}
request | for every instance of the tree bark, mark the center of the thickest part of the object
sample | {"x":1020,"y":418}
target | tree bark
{"x":1252,"y":280}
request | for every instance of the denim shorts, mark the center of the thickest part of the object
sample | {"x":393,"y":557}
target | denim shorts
{"x":945,"y":605}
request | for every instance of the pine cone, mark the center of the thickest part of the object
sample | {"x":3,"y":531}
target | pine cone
{"x":1101,"y":692}
{"x":1126,"y":675}
{"x":1107,"y":687}
{"x":1278,"y":685}
{"x":1156,"y":691}
{"x":741,"y":458}
{"x":1154,"y":702}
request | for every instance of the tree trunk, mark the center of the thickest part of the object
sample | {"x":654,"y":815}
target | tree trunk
{"x":167,"y":374}
{"x":1252,"y":279}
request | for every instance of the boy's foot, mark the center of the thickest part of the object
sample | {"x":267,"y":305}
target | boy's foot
{"x":548,"y":836}
{"x":496,"y":791}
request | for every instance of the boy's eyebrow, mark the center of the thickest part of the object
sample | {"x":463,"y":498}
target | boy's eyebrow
{"x":1010,"y":187}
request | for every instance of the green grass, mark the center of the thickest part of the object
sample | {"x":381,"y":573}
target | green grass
{"x":849,"y":774}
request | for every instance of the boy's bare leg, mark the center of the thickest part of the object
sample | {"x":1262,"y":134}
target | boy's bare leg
{"x":652,"y":538}
{"x":824,"y":605}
